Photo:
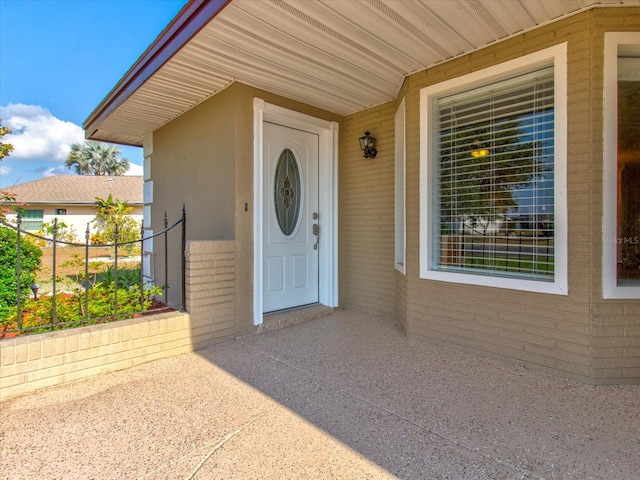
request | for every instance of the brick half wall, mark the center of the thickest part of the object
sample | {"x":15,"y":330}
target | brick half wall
{"x":32,"y":362}
{"x":211,"y":291}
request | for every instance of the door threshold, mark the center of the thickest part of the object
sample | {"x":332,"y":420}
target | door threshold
{"x":292,"y":316}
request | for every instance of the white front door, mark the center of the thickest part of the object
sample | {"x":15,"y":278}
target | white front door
{"x":291,"y":217}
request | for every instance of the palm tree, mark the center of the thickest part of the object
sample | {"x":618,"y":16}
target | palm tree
{"x":95,"y":158}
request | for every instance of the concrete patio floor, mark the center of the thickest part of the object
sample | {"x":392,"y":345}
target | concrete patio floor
{"x":347,"y":396}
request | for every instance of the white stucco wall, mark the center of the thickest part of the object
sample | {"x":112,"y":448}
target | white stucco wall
{"x":76,"y":218}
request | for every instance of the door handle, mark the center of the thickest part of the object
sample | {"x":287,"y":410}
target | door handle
{"x":316,"y":232}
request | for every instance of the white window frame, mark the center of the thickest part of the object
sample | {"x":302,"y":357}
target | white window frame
{"x":400,"y":189}
{"x":556,"y":56}
{"x":610,"y":287}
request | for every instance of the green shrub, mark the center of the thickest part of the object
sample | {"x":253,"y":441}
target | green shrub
{"x":128,"y":278}
{"x":29,"y":264}
{"x":65,"y":233}
{"x":98,"y":239}
{"x":38,"y":314}
{"x":112,"y":214}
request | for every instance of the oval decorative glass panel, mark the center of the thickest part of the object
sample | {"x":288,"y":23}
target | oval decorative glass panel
{"x":287,"y":194}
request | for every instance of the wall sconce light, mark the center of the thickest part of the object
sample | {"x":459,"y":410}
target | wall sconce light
{"x":368,"y":145}
{"x":34,"y":288}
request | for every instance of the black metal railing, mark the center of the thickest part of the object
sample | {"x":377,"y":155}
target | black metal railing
{"x":517,"y":253}
{"x":145,"y":284}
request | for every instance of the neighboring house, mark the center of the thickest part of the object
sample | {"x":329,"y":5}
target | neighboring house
{"x":71,"y":199}
{"x":501,"y":213}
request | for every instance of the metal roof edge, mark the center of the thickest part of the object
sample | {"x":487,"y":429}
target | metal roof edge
{"x":194,"y":16}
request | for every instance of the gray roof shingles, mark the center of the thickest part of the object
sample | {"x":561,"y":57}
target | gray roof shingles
{"x":79,"y":189}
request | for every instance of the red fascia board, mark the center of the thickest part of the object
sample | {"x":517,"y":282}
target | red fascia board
{"x":190,"y":20}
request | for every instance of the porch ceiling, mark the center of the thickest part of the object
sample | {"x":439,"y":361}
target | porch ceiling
{"x":339,"y":55}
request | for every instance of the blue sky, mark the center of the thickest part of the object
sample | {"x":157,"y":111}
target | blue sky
{"x":58,"y":60}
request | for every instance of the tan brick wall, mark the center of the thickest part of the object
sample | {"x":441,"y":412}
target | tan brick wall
{"x":211,"y":291}
{"x":33,"y":362}
{"x":401,"y":300}
{"x":546,"y":332}
{"x":367,"y":272}
{"x":615,"y":324}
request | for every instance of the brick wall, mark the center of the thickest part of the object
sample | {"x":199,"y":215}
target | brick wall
{"x":545,"y":332}
{"x":32,"y":362}
{"x":211,"y":291}
{"x":580,"y":335}
{"x":615,"y":326}
{"x":367,"y":235}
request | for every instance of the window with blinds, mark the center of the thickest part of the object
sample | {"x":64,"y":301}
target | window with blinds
{"x":32,"y":219}
{"x":494,"y":174}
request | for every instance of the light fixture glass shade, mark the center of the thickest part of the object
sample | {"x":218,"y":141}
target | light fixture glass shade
{"x":367,"y":144}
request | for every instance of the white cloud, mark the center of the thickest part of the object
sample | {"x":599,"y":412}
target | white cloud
{"x":4,"y":170}
{"x":37,"y":134}
{"x":50,"y":172}
{"x":135,"y":169}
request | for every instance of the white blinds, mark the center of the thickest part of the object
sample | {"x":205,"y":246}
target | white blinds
{"x":495,"y":178}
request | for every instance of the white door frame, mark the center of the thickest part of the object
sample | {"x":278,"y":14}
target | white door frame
{"x":327,"y":191}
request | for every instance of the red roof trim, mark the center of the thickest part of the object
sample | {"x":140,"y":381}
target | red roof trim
{"x":194,"y":16}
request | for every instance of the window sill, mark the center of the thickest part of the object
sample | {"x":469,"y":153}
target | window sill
{"x":537,"y":286}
